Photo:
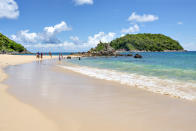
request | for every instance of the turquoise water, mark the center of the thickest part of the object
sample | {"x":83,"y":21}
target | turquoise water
{"x":167,"y":73}
{"x":168,"y":65}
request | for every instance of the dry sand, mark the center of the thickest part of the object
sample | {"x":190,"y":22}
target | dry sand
{"x":14,"y":115}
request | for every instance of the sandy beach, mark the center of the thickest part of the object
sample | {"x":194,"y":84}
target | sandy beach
{"x":15,"y":115}
{"x":97,"y":65}
{"x":76,"y":102}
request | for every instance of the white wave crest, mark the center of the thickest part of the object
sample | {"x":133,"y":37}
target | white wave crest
{"x":174,"y":88}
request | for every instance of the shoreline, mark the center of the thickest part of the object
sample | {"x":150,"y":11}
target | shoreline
{"x":158,"y":86}
{"x":118,"y":53}
{"x":15,"y":115}
{"x":98,"y":104}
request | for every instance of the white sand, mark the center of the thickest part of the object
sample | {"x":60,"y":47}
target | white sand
{"x":14,"y":115}
{"x":122,"y":110}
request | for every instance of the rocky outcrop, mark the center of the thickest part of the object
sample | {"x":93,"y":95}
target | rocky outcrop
{"x":137,"y":56}
{"x":69,"y":57}
{"x":100,"y":53}
{"x":106,"y":51}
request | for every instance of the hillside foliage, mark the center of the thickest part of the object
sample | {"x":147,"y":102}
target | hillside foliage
{"x":7,"y":45}
{"x":143,"y":42}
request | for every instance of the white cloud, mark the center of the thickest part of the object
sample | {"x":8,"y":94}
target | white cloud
{"x":51,"y":30}
{"x":101,"y":36}
{"x":25,"y":37}
{"x":190,"y":46}
{"x":82,"y":2}
{"x":180,"y":23}
{"x":47,"y":36}
{"x":8,"y":9}
{"x":60,"y":47}
{"x":91,"y":42}
{"x":135,"y":19}
{"x":142,"y":18}
{"x":132,"y":29}
{"x":74,"y":46}
{"x":74,"y":38}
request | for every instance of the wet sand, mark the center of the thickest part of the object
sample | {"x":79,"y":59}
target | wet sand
{"x":80,"y":103}
{"x":15,"y":115}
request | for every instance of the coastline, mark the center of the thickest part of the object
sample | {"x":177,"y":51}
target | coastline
{"x":97,"y":104}
{"x":79,"y":102}
{"x":15,"y":115}
{"x":162,"y":73}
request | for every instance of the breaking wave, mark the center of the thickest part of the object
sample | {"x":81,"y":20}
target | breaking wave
{"x":174,"y":88}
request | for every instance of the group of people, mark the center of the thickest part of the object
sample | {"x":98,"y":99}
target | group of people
{"x":61,"y":56}
{"x":40,"y":55}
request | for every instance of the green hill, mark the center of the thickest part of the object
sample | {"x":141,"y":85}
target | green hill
{"x":9,"y":46}
{"x":142,"y":42}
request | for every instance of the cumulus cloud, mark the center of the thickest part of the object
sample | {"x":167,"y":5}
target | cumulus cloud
{"x":82,"y":2}
{"x":51,"y":30}
{"x":74,"y":38}
{"x":101,"y":36}
{"x":47,"y":39}
{"x":8,"y":9}
{"x":75,"y":45}
{"x":47,"y":36}
{"x":25,"y":36}
{"x":142,"y":18}
{"x":135,"y":19}
{"x":131,"y":29}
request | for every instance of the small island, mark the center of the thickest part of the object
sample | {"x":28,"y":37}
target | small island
{"x":8,"y":46}
{"x":142,"y":42}
{"x":135,"y":43}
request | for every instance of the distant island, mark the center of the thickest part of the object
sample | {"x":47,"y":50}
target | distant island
{"x":8,"y":46}
{"x":142,"y":42}
{"x":135,"y":43}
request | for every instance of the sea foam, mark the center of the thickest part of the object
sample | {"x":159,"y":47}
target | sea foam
{"x":174,"y":88}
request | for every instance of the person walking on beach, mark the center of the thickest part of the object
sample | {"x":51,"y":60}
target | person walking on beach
{"x":50,"y":54}
{"x":41,"y":55}
{"x":37,"y":55}
{"x":59,"y":57}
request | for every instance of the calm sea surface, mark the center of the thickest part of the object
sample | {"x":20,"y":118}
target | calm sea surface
{"x":178,"y":65}
{"x":171,"y":73}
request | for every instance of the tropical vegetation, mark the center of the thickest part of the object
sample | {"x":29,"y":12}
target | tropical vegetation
{"x":142,"y":42}
{"x":7,"y":45}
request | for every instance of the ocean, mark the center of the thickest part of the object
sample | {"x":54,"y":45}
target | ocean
{"x":168,"y":73}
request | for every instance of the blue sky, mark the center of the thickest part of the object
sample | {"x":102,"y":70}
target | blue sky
{"x":78,"y":25}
